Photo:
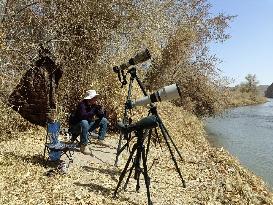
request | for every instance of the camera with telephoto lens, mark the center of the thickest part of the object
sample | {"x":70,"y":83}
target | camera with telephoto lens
{"x":139,"y":58}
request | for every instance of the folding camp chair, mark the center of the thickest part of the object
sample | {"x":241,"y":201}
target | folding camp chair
{"x":54,"y":148}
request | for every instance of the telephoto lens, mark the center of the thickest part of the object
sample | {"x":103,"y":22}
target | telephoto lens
{"x":169,"y":92}
{"x":139,"y":58}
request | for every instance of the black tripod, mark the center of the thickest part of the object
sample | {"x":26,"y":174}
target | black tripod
{"x":126,"y":119}
{"x":139,"y":148}
{"x":147,"y":123}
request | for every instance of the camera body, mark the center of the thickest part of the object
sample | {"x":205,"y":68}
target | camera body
{"x":99,"y":111}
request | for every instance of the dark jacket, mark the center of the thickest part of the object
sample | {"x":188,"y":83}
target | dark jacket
{"x":35,"y":95}
{"x":86,"y":112}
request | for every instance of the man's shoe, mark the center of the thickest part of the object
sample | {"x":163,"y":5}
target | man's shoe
{"x":100,"y":142}
{"x":85,"y":150}
{"x":93,"y":135}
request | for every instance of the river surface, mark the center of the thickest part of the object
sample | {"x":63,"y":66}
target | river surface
{"x":247,"y":133}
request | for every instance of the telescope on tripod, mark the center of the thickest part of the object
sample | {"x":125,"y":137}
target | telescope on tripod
{"x":139,"y":58}
{"x":143,"y":128}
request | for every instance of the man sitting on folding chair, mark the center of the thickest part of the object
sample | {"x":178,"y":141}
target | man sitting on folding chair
{"x":89,"y":115}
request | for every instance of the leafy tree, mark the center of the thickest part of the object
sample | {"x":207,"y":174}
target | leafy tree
{"x":250,"y":86}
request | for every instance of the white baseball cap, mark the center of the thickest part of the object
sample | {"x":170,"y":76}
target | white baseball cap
{"x":90,"y":94}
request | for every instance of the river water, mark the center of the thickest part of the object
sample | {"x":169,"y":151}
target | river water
{"x":247,"y":133}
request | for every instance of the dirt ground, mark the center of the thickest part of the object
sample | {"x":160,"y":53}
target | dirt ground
{"x":212,"y":176}
{"x":102,"y":153}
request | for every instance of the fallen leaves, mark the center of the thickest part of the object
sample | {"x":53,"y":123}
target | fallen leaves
{"x":212,"y":176}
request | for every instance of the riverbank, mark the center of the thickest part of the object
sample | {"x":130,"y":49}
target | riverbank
{"x":212,"y":176}
{"x":246,"y":132}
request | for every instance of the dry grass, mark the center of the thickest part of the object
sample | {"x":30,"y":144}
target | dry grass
{"x":11,"y":123}
{"x":237,"y":98}
{"x":212,"y":176}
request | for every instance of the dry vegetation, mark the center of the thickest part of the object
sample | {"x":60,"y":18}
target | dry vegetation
{"x":238,"y":98}
{"x":212,"y":176}
{"x":87,"y":38}
{"x":247,"y":93}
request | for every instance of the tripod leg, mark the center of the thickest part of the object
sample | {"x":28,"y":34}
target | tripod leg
{"x":137,"y":176}
{"x":146,"y":177}
{"x":128,"y":178}
{"x":125,"y":118}
{"x":149,"y":141}
{"x":118,"y":149}
{"x":122,"y":148}
{"x":122,"y":175}
{"x":157,"y":138}
{"x":172,"y":154}
{"x":137,"y":162}
{"x":167,"y":133}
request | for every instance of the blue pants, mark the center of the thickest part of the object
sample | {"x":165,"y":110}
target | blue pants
{"x":84,"y":126}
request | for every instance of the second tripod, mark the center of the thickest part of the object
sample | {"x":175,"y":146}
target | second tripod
{"x":140,"y":154}
{"x":147,"y":124}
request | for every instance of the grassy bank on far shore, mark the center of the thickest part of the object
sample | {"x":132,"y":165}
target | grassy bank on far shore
{"x":237,"y":99}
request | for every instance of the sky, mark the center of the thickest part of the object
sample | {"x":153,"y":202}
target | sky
{"x":250,"y":48}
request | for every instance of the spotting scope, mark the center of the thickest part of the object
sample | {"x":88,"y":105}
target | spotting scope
{"x":145,"y":123}
{"x":139,"y":58}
